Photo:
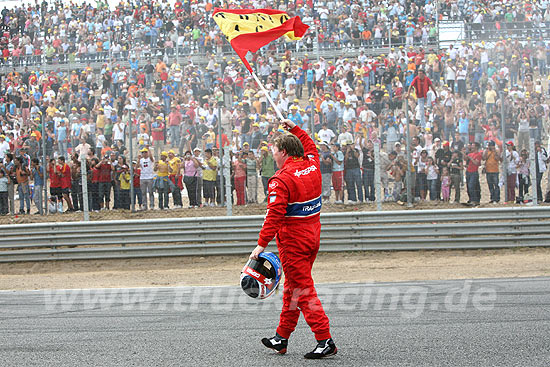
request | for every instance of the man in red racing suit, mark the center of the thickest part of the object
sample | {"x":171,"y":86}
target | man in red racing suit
{"x":293,"y":216}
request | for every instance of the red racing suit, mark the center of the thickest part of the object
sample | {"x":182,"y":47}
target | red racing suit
{"x":293,"y":210}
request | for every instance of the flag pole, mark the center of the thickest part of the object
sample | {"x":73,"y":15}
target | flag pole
{"x":277,"y":111}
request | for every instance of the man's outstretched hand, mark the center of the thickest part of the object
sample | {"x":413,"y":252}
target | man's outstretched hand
{"x":288,"y":124}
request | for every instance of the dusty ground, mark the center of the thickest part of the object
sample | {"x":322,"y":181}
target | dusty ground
{"x":329,"y":268}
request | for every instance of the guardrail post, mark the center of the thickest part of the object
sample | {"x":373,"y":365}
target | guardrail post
{"x":227,"y":174}
{"x":377,"y":184}
{"x":131,"y":152}
{"x":84,"y":175}
{"x":220,"y":154}
{"x":503,"y":132}
{"x":44,"y":166}
{"x":409,"y":163}
{"x":533,"y":171}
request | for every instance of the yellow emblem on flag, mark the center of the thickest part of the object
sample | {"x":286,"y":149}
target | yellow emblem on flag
{"x":233,"y":25}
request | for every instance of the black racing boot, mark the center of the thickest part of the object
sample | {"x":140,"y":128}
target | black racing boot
{"x":324,"y":348}
{"x":277,"y":343}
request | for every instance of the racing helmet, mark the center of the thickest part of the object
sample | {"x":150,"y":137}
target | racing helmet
{"x":260,"y":278}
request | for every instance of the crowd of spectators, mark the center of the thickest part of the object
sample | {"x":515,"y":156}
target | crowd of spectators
{"x":61,"y":32}
{"x":455,"y":100}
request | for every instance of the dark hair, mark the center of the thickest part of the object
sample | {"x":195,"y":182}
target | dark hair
{"x":35,"y":161}
{"x":62,"y":158}
{"x":290,"y":144}
{"x":208,"y":150}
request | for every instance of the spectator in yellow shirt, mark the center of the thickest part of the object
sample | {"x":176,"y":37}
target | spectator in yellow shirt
{"x":210,"y":138}
{"x":490,"y":98}
{"x":51,"y":110}
{"x":257,"y":104}
{"x":125,"y":181}
{"x":209,"y":178}
{"x":100,"y":119}
{"x":162,"y":169}
{"x":175,"y":177}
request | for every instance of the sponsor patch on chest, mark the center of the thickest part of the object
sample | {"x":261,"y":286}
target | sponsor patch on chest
{"x":310,"y":208}
{"x":305,"y":171}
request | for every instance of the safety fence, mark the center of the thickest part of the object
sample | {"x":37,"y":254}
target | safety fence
{"x":363,"y":231}
{"x":488,"y":31}
{"x":327,"y":50}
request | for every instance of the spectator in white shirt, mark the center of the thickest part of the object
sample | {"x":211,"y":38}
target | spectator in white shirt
{"x":345,"y":137}
{"x":118,"y":131}
{"x":4,"y":147}
{"x":326,"y":135}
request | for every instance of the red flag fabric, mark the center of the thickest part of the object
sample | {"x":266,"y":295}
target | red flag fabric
{"x":250,"y":29}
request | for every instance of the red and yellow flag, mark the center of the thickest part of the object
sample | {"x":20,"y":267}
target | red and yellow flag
{"x":250,"y":29}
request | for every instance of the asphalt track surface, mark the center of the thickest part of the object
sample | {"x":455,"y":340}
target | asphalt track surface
{"x":503,"y":322}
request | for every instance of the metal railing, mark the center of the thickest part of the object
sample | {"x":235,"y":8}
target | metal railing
{"x":364,"y":231}
{"x":472,"y":31}
{"x":490,"y":31}
{"x":66,"y":62}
